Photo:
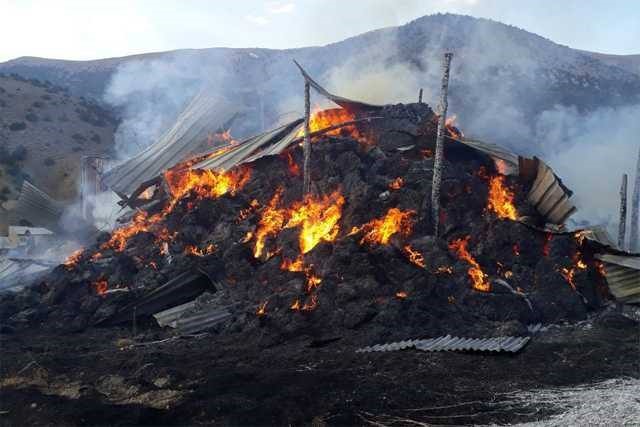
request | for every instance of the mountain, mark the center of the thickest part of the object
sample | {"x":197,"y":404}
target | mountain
{"x":500,"y":74}
{"x":44,"y":131}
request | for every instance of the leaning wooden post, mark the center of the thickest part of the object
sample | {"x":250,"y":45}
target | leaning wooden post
{"x":439,"y":154}
{"x":420,"y":96}
{"x":306,"y":146}
{"x":635,"y":208}
{"x":623,"y":212}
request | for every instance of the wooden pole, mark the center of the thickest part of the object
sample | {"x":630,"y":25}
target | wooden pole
{"x":623,"y":212}
{"x":420,"y":96}
{"x":635,"y":210}
{"x":306,"y":146}
{"x":439,"y":154}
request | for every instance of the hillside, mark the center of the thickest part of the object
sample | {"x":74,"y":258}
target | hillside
{"x":43,"y":133}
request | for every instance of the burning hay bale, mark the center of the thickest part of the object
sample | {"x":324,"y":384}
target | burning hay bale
{"x":355,"y":254}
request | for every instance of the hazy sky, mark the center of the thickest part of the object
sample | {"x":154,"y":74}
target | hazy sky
{"x":88,"y":29}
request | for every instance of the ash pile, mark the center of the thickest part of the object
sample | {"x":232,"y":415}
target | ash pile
{"x":226,"y":241}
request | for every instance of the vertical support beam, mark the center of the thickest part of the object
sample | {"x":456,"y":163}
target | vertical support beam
{"x":634,"y":245}
{"x":622,"y":225}
{"x":439,"y":154}
{"x":306,"y":147}
{"x":420,"y":96}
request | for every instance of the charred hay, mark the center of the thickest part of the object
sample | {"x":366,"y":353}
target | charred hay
{"x":412,"y":286}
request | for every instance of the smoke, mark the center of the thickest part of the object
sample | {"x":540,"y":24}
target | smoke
{"x":151,"y":93}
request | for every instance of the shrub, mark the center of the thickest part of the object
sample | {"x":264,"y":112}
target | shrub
{"x":16,"y":126}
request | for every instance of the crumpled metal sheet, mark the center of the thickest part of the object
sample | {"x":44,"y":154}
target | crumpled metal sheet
{"x":549,"y":196}
{"x":37,"y":207}
{"x":268,"y":143}
{"x":197,"y":315}
{"x":205,"y":115}
{"x":349,"y":104}
{"x":499,"y":154}
{"x":19,"y":273}
{"x":623,"y":276}
{"x":452,"y":343}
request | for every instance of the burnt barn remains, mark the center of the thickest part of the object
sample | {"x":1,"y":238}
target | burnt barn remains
{"x":220,"y":236}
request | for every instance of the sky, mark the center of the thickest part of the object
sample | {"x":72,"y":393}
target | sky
{"x":91,"y":29}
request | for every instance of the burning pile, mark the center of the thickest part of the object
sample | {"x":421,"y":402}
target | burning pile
{"x":356,"y":252}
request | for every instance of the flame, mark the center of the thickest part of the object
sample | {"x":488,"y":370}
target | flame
{"x":147,"y":194}
{"x":294,"y":169}
{"x":479,"y":280}
{"x":600,"y":269}
{"x":396,"y":184}
{"x":444,"y":269}
{"x":194,"y":250}
{"x":101,"y":286}
{"x":501,"y":199}
{"x":72,"y":260}
{"x":244,"y":213}
{"x":312,"y":304}
{"x":296,"y":305}
{"x":262,"y":309}
{"x":401,"y":295}
{"x":206,"y":183}
{"x":380,"y":230}
{"x":298,"y":265}
{"x":569,"y":274}
{"x":271,"y":222}
{"x":321,"y":119}
{"x":319,"y":218}
{"x":426,"y":153}
{"x":516,"y":249}
{"x":450,"y":124}
{"x":414,"y":256}
{"x":153,"y":265}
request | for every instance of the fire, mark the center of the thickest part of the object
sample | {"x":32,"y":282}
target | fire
{"x":319,"y":218}
{"x":312,"y":304}
{"x":444,"y":269}
{"x":396,"y":184}
{"x":101,"y":286}
{"x":426,"y":153}
{"x":321,"y":119}
{"x":380,"y":230}
{"x":298,"y":265}
{"x":479,"y":280}
{"x":600,"y":269}
{"x":270,"y":224}
{"x":546,"y":245}
{"x":294,"y":169}
{"x":262,"y":309}
{"x":401,"y":295}
{"x":414,"y":256}
{"x":501,"y":199}
{"x":296,"y":305}
{"x":516,"y":249}
{"x":194,"y":250}
{"x":72,"y":260}
{"x":119,"y":238}
{"x":206,"y":183}
{"x":569,"y":274}
{"x":244,"y":213}
{"x":450,"y":124}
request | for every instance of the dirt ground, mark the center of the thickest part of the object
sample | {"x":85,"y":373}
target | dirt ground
{"x":106,"y":377}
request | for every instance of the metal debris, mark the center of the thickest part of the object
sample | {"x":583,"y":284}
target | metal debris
{"x":623,"y":276}
{"x":449,"y":343}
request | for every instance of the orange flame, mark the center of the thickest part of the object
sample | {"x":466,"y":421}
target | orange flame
{"x":271,"y":222}
{"x":72,"y":260}
{"x":206,"y":183}
{"x":296,"y":305}
{"x":380,"y":230}
{"x":194,"y":250}
{"x":294,"y":169}
{"x":262,"y":309}
{"x":321,"y":119}
{"x":444,"y":269}
{"x":319,"y":218}
{"x":479,"y":280}
{"x":414,"y":256}
{"x":396,"y":184}
{"x":101,"y":286}
{"x":312,"y":304}
{"x":401,"y":295}
{"x":298,"y":265}
{"x":501,"y":199}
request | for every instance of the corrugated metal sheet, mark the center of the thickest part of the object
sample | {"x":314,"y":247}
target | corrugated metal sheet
{"x":194,"y":316}
{"x":623,"y":276}
{"x":497,"y":153}
{"x":549,"y":197}
{"x":268,"y":143}
{"x":205,"y":114}
{"x":449,"y":343}
{"x":347,"y":103}
{"x":14,"y":274}
{"x":37,"y":207}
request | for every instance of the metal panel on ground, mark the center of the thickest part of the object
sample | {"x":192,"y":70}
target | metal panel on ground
{"x":205,"y":115}
{"x":449,"y":343}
